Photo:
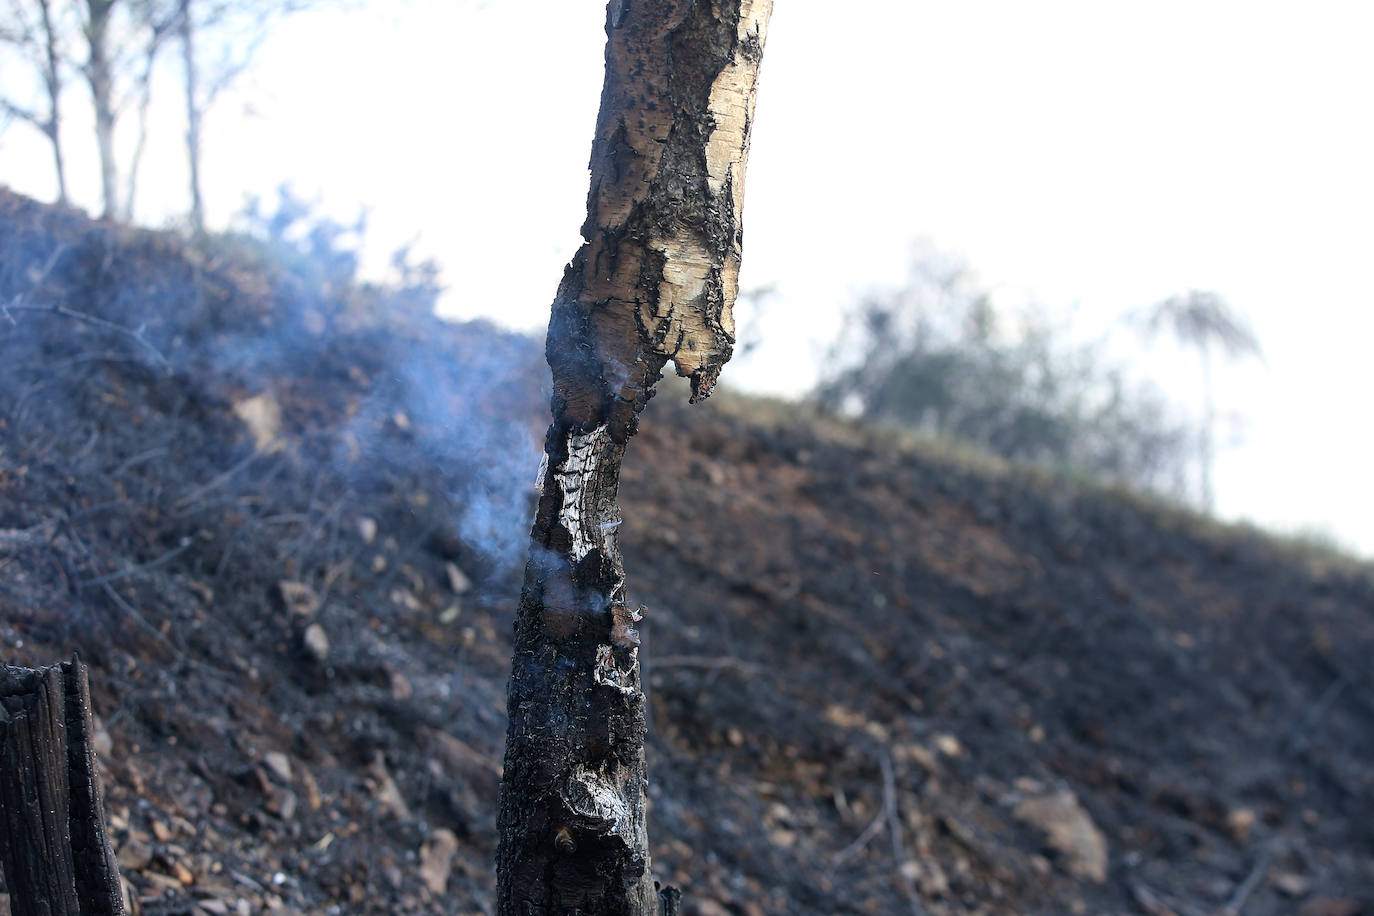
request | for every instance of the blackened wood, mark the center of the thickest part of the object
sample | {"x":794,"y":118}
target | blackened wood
{"x":54,"y":847}
{"x":654,"y":282}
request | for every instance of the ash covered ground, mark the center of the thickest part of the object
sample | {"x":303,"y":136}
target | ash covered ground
{"x":282,"y":520}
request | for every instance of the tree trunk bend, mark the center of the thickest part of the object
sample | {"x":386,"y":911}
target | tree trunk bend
{"x":654,"y":281}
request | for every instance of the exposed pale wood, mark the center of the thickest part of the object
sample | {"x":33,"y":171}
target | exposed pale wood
{"x":654,"y":282}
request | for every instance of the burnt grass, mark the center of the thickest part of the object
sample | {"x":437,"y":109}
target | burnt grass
{"x":282,"y":519}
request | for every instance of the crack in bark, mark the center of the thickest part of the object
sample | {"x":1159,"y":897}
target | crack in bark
{"x":655,"y":281}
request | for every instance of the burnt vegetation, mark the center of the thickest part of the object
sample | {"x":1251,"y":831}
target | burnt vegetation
{"x":280,"y":513}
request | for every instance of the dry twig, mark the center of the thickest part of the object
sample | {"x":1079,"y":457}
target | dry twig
{"x":219,"y":480}
{"x":167,"y":557}
{"x":17,"y":303}
{"x":135,"y":335}
{"x":1247,"y":887}
{"x":894,"y":829}
{"x":844,"y":855}
{"x":13,"y":540}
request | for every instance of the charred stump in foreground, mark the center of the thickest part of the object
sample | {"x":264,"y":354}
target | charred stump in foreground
{"x":654,"y":281}
{"x":53,"y":844}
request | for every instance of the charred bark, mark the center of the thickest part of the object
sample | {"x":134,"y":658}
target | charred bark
{"x":654,"y":281}
{"x":53,"y":844}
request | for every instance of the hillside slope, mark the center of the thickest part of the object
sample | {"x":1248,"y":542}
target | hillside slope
{"x":284,"y":526}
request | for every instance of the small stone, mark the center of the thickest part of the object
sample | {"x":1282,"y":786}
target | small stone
{"x":297,"y":597}
{"x":385,"y":790}
{"x":457,"y":579}
{"x":708,"y":907}
{"x":1239,"y":822}
{"x":312,"y":790}
{"x":262,"y":415}
{"x":1070,"y":832}
{"x":161,"y":831}
{"x":282,"y":804}
{"x":436,"y":860}
{"x":948,"y":745}
{"x":134,"y":856}
{"x":166,"y":882}
{"x":367,"y":529}
{"x":927,"y":876}
{"x":405,"y":598}
{"x":316,"y":642}
{"x":279,"y":764}
{"x":1291,"y":884}
{"x":401,"y":688}
{"x":783,"y":839}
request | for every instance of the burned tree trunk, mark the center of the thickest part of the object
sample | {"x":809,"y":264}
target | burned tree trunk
{"x":654,"y":281}
{"x":53,"y":845}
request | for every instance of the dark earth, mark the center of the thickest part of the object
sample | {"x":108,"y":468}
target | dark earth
{"x":281,"y":517}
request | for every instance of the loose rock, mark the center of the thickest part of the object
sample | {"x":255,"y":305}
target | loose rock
{"x":1070,"y":832}
{"x":436,"y":860}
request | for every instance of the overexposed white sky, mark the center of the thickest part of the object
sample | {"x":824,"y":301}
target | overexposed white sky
{"x":1095,"y":157}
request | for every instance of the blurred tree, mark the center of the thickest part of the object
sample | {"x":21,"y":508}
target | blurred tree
{"x":115,"y":45}
{"x":99,"y":70}
{"x":102,"y":41}
{"x":940,"y":357}
{"x":36,"y":33}
{"x":158,"y":18}
{"x":1203,"y":320}
{"x":235,"y":29}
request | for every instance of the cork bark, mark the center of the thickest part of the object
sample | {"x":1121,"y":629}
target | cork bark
{"x":653,"y":283}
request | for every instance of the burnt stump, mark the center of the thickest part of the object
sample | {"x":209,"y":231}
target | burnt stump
{"x":54,"y":847}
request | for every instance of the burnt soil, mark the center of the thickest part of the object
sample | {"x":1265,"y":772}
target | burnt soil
{"x":282,"y":521}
